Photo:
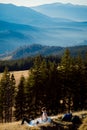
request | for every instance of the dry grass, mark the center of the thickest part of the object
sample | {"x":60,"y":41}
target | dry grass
{"x":18,"y":74}
{"x":16,"y":126}
{"x":80,"y":113}
{"x":84,"y":125}
{"x":65,"y":125}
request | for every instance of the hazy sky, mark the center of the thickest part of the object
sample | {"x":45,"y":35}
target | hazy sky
{"x":39,"y":2}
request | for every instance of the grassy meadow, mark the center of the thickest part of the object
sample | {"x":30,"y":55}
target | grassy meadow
{"x":57,"y":118}
{"x":84,"y":125}
{"x":18,"y":74}
{"x":61,"y":124}
{"x":15,"y":126}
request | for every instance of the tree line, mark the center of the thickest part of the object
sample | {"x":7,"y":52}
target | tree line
{"x":24,"y":63}
{"x":58,"y":87}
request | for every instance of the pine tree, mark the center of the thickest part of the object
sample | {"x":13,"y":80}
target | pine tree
{"x":80,"y":84}
{"x":12,"y":97}
{"x":1,"y":104}
{"x":41,"y":88}
{"x":6,"y":96}
{"x":36,"y":87}
{"x":33,"y":89}
{"x":66,"y":70}
{"x":20,"y":100}
{"x":52,"y":88}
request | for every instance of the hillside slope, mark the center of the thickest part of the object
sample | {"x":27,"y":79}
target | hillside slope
{"x":22,"y":15}
{"x":57,"y":126}
{"x":67,"y":11}
{"x":12,"y":36}
{"x":17,"y":75}
{"x":21,"y":26}
{"x":36,"y":49}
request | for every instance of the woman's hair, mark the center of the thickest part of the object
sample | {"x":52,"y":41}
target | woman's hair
{"x":43,"y":108}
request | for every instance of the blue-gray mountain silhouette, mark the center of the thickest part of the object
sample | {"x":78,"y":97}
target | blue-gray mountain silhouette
{"x":21,"y":26}
{"x":67,"y":11}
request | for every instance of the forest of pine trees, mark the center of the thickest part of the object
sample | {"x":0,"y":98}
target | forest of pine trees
{"x":59,"y":87}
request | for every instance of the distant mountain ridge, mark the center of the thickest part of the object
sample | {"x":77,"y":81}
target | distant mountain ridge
{"x":22,"y":15}
{"x":14,"y":35}
{"x":60,"y":10}
{"x":36,"y":49}
{"x":21,"y":26}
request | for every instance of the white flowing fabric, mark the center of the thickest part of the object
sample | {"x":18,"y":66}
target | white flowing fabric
{"x":39,"y":121}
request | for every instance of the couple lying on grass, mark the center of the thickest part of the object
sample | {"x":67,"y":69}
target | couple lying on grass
{"x":43,"y":119}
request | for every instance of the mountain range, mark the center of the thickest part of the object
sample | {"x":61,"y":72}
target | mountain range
{"x":65,"y":11}
{"x":36,"y":49}
{"x":48,"y":25}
